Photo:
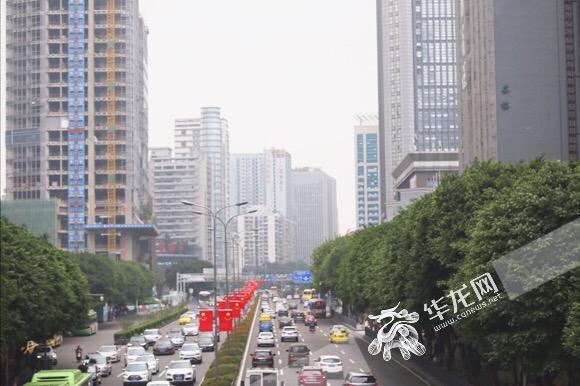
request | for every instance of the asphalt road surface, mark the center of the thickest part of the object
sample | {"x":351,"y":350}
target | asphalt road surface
{"x":386,"y":373}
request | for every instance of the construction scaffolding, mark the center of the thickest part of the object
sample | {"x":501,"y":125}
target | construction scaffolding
{"x":76,"y":126}
{"x":111,"y":127}
{"x":569,"y":43}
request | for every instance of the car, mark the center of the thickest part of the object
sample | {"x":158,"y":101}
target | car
{"x":191,"y":352}
{"x":338,"y":335}
{"x":331,"y":365}
{"x":45,"y":352}
{"x":266,"y":339}
{"x":299,"y":317}
{"x":185,"y":319}
{"x":360,"y":379}
{"x":151,"y":335}
{"x":190,"y":329}
{"x":102,"y":363}
{"x":136,"y":372}
{"x":284,"y":322}
{"x":296,"y":296}
{"x":152,"y":362}
{"x":163,"y":347}
{"x":176,"y":338}
{"x":293,"y":306}
{"x":158,"y":383}
{"x":264,"y":317}
{"x":263,"y":358}
{"x":138,"y":341}
{"x":266,"y":327}
{"x":206,"y":342}
{"x":111,"y":352}
{"x":298,"y":355}
{"x":133,"y":353}
{"x":180,"y":372}
{"x":289,"y":333}
{"x":55,"y":341}
{"x":283,"y":312}
{"x":95,"y":374}
{"x":311,"y":376}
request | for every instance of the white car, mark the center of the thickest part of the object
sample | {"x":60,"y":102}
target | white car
{"x":152,"y":335}
{"x":266,"y":339}
{"x":111,"y":352}
{"x":133,"y":353}
{"x":152,"y":362}
{"x":289,"y":333}
{"x":136,"y":372}
{"x":338,"y":327}
{"x":176,"y":338}
{"x":190,"y":329}
{"x":331,"y":365}
{"x":190,"y":352}
{"x":101,"y":362}
{"x":180,"y":372}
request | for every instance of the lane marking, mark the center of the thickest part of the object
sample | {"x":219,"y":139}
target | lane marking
{"x":351,"y":361}
{"x":361,"y":370}
{"x":342,"y":352}
{"x":281,"y":371}
{"x":327,"y":383}
{"x":303,"y":339}
{"x":161,"y":373}
{"x":120,"y":375}
{"x":278,"y":352}
{"x":279,"y":361}
{"x":335,"y":345}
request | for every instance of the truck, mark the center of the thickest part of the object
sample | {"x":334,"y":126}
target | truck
{"x":72,"y":377}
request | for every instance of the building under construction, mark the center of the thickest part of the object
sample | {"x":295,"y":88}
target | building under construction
{"x":77,"y":127}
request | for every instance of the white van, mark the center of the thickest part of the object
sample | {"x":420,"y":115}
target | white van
{"x":262,"y":377}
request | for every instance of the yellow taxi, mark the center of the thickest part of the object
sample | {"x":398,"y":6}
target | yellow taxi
{"x":55,"y":341}
{"x":339,"y":335}
{"x":265,"y":318}
{"x":185,"y":319}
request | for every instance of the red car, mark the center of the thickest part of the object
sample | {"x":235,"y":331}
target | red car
{"x":311,"y":376}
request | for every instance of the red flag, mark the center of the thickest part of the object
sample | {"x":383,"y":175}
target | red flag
{"x":205,"y":320}
{"x":221,"y":304}
{"x":236,"y":308}
{"x":226,"y":317}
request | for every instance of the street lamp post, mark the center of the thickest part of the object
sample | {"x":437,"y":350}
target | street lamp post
{"x":215,"y":218}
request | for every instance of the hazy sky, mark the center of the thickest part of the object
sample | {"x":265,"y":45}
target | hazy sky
{"x":289,"y":74}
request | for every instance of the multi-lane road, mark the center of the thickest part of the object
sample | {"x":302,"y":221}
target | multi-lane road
{"x":66,"y":354}
{"x":353,"y":358}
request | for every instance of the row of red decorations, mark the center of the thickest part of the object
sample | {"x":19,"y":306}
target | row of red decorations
{"x":229,"y":308}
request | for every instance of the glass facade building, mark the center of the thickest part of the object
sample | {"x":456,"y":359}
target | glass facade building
{"x":367,"y":172}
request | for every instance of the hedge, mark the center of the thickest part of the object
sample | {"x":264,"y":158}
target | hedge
{"x":230,"y":359}
{"x":156,"y":320}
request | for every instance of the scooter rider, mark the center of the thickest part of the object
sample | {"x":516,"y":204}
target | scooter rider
{"x":312,"y":325}
{"x":79,"y":353}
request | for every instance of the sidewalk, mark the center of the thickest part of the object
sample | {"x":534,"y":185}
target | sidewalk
{"x":428,"y":372}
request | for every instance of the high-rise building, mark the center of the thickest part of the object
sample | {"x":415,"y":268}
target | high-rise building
{"x":269,"y":237}
{"x":313,"y":209}
{"x":368,"y":207}
{"x":208,"y":134}
{"x":417,"y":95}
{"x":519,"y":66}
{"x":76,"y":123}
{"x":261,"y":179}
{"x":247,"y":182}
{"x":182,"y":233}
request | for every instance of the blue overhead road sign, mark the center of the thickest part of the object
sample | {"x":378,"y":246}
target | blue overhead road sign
{"x":300,"y":277}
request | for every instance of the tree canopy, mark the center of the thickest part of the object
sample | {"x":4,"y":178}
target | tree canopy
{"x":451,"y":236}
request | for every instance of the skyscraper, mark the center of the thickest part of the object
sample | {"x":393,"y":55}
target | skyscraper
{"x":313,"y":209}
{"x":76,"y":124}
{"x":417,"y":95}
{"x":262,"y":179}
{"x":518,"y":64}
{"x":208,"y":134}
{"x":367,"y":167}
{"x":176,"y":179}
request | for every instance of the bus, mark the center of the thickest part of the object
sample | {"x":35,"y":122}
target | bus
{"x":318,"y":308}
{"x":72,"y":377}
{"x":89,"y":328}
{"x":204,"y":299}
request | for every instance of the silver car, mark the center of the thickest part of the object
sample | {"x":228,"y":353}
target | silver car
{"x":152,"y":335}
{"x":190,"y":329}
{"x":176,"y":338}
{"x":152,"y":362}
{"x":111,"y":352}
{"x":133,"y":353}
{"x":101,"y":362}
{"x":191,"y":352}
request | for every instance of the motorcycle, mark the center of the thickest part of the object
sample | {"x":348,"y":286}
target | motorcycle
{"x":312,"y":328}
{"x":79,"y":355}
